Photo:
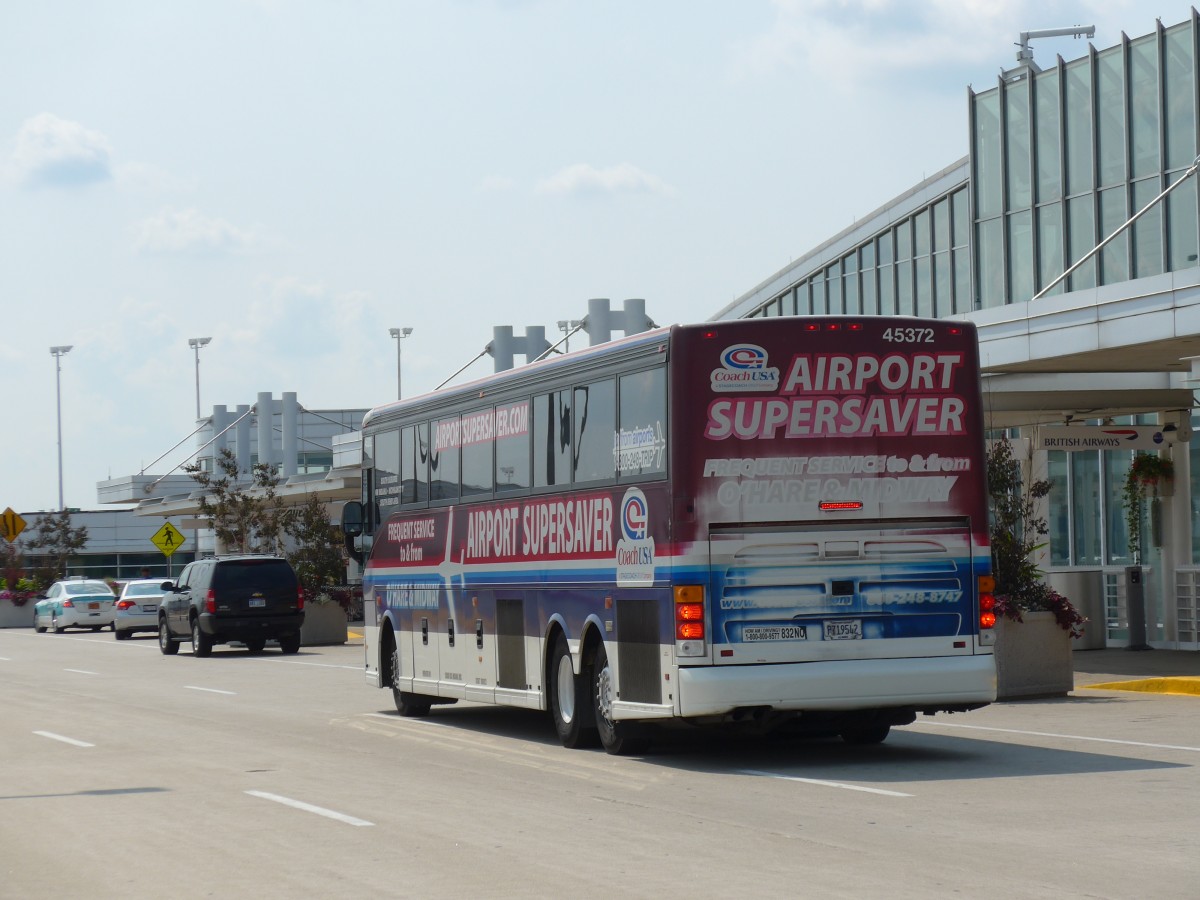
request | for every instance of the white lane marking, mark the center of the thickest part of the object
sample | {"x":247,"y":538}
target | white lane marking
{"x":1068,"y":737}
{"x":81,"y":671}
{"x":296,"y":662}
{"x":5,"y":659}
{"x":308,"y":807}
{"x":822,"y":783}
{"x":192,"y":687}
{"x":65,"y":740}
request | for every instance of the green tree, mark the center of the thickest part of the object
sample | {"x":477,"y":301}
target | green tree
{"x":317,"y":554}
{"x":241,"y":505}
{"x":56,"y":541}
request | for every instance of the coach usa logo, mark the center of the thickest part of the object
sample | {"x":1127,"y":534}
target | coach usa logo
{"x":635,"y":547}
{"x":744,"y":368}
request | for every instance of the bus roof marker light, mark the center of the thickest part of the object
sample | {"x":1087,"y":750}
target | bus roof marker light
{"x":828,"y":505}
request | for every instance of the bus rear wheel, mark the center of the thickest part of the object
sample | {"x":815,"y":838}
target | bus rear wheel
{"x":873,"y":733}
{"x":616,"y":737}
{"x":569,"y":704}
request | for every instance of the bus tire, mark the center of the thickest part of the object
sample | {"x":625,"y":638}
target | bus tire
{"x":411,"y":706}
{"x":616,"y":737}
{"x":568,"y":700}
{"x":866,"y":734}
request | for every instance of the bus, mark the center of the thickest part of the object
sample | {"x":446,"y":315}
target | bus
{"x":768,"y":523}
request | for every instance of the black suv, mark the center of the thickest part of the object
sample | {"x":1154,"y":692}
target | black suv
{"x":251,"y":599}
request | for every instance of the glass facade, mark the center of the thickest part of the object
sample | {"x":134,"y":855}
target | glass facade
{"x":1114,"y":128}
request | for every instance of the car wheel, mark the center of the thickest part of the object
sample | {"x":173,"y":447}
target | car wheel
{"x":255,"y":645}
{"x":201,"y":643}
{"x":166,"y":643}
{"x":289,"y":643}
{"x":54,"y":626}
{"x":120,"y":635}
{"x":36,"y":627}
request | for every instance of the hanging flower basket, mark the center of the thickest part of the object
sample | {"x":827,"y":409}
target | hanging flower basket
{"x":1147,"y":474}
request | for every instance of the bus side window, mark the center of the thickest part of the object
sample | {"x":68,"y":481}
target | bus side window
{"x":408,"y":465}
{"x":512,"y":446}
{"x":552,"y":439}
{"x":387,"y":472}
{"x":444,"y":461}
{"x":642,"y":439}
{"x":478,"y":440}
{"x":423,"y":462}
{"x":595,"y":424}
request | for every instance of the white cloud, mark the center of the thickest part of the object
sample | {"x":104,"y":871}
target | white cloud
{"x":584,"y":178}
{"x":56,"y":152}
{"x":186,"y":231}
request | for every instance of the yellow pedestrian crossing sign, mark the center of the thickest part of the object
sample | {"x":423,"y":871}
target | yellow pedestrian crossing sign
{"x":168,"y":539}
{"x":11,"y":524}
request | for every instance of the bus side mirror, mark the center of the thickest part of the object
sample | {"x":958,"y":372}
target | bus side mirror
{"x":352,"y":527}
{"x":352,"y":519}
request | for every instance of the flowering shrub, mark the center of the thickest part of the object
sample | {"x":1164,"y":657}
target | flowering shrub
{"x":18,"y":597}
{"x":1065,"y":613}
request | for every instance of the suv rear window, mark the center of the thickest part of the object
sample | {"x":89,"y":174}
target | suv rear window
{"x":254,"y":574}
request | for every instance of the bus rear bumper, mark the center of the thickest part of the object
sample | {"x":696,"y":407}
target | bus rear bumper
{"x":934,"y":683}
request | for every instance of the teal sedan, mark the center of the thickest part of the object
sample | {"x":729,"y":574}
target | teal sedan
{"x":74,"y":603}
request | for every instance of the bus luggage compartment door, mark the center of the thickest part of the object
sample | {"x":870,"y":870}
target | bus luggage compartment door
{"x":858,"y":591}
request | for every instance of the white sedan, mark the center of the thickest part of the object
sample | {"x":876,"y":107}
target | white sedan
{"x":137,"y":608}
{"x":74,"y":603}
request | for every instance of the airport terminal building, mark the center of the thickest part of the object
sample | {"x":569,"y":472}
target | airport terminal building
{"x":1061,"y":157}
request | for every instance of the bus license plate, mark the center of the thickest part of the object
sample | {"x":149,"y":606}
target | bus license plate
{"x":843,"y":630}
{"x":774,"y":633}
{"x":256,"y":602}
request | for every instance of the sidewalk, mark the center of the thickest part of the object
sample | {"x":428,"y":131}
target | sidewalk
{"x":1154,"y":671}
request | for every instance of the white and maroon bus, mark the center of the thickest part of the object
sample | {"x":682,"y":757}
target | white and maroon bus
{"x":772,"y":522}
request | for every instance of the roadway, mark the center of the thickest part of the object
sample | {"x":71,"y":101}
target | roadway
{"x":127,"y":774}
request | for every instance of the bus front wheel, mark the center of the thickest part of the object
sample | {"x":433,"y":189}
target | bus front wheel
{"x":569,"y":704}
{"x":616,"y":737}
{"x":412,"y":706}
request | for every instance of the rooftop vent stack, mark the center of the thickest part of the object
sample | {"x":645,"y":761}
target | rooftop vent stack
{"x":242,"y":438}
{"x":289,"y":412}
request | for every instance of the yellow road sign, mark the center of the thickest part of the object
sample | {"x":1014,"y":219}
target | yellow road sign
{"x":11,"y":524}
{"x":168,"y":539}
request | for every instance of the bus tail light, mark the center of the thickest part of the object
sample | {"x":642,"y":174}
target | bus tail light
{"x":690,"y":625}
{"x":987,"y":609}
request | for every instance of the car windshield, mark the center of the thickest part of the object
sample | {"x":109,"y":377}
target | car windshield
{"x":79,"y":588}
{"x":143,"y":590}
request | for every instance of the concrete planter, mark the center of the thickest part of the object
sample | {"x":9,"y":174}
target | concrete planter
{"x":1033,"y":658}
{"x":16,"y":616}
{"x":324,"y":624}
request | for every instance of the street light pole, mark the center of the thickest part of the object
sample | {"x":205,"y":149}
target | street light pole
{"x":58,"y":353}
{"x":196,"y":344}
{"x":399,"y":334}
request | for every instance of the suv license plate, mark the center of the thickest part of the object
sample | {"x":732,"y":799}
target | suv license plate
{"x":843,"y":629}
{"x":257,"y":602}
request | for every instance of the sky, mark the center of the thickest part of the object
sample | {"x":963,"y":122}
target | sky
{"x":293,"y":179}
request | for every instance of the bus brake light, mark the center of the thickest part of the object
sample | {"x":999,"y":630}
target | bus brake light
{"x":689,"y":620}
{"x":827,"y":505}
{"x":987,"y":602}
